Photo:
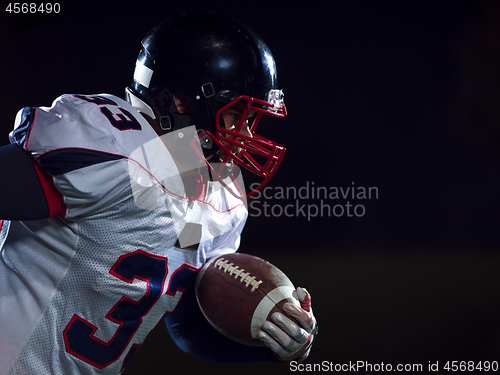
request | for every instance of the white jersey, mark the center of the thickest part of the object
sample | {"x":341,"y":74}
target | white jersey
{"x":80,"y":291}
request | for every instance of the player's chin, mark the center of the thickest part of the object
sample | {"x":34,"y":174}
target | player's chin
{"x":235,"y":151}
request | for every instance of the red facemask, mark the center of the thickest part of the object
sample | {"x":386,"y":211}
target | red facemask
{"x":252,"y":152}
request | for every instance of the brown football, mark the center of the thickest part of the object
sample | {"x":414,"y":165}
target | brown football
{"x":238,"y":292}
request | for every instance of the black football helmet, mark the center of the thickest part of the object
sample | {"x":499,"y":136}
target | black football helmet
{"x":216,"y":62}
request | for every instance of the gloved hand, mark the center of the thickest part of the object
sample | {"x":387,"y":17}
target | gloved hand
{"x":291,"y":335}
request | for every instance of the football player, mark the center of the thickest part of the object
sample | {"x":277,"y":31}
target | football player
{"x":110,"y":207}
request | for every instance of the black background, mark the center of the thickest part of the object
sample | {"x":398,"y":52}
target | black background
{"x":402,"y":97}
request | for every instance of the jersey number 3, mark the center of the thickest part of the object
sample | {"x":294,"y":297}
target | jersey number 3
{"x":79,"y":335}
{"x":120,"y":118}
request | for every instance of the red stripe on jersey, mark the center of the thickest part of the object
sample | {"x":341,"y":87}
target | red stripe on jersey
{"x":55,"y":199}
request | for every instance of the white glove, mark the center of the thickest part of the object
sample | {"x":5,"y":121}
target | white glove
{"x":284,"y":336}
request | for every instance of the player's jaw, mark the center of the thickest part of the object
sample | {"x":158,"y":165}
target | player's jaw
{"x":236,"y":120}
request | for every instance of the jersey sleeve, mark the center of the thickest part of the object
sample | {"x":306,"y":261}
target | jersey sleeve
{"x":81,"y":146}
{"x":229,"y":242}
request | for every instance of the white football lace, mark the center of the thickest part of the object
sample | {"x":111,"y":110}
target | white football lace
{"x":238,"y":272}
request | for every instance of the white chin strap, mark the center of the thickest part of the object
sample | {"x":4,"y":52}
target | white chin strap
{"x":138,"y":104}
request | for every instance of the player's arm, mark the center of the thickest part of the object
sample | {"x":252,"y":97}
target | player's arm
{"x":21,"y":194}
{"x":193,"y":334}
{"x":287,"y":339}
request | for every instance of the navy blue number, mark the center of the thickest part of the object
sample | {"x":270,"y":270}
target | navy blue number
{"x":180,"y":280}
{"x":96,"y":99}
{"x":123,"y":123}
{"x":79,"y":334}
